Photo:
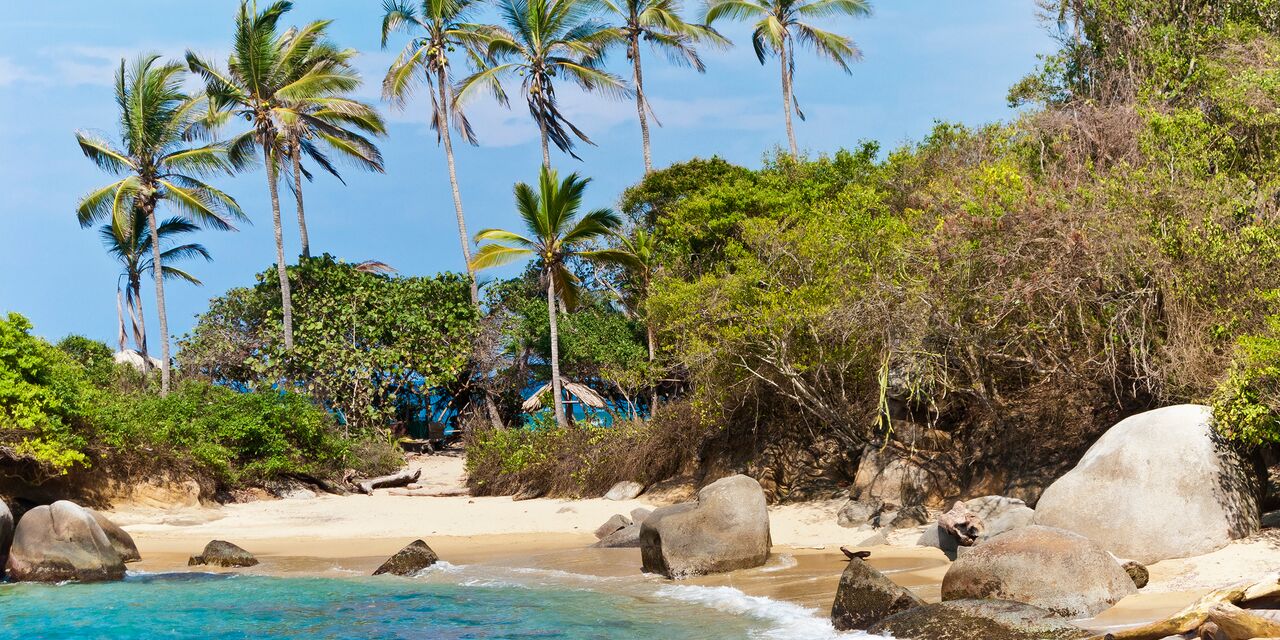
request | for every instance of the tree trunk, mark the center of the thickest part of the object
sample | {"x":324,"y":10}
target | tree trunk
{"x":787,"y":100}
{"x":653,"y":356}
{"x":555,"y":351}
{"x":296,"y":156}
{"x":139,"y":323}
{"x":123,"y":337}
{"x":546,"y":151}
{"x":634,"y":45}
{"x":286,"y":299}
{"x":442,"y":112}
{"x":150,"y":209}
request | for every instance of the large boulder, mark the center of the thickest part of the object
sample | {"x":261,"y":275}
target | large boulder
{"x":223,"y":554}
{"x":60,"y":542}
{"x":120,"y":539}
{"x":865,"y":596}
{"x":890,"y":475}
{"x":726,"y":528}
{"x":1157,"y":485}
{"x":977,"y":620}
{"x":624,"y":490}
{"x":415,"y":557}
{"x":857,"y":513}
{"x":6,"y":534}
{"x":1059,"y":571}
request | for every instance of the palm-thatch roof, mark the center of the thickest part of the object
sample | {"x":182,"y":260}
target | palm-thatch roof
{"x":583,"y":393}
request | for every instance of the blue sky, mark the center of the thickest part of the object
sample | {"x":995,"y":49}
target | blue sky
{"x":924,"y":60}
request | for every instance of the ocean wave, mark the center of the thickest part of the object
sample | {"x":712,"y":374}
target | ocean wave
{"x":785,"y":561}
{"x":789,"y":621}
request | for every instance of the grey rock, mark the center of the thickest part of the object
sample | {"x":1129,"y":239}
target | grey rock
{"x":856,"y":513}
{"x":625,"y":490}
{"x":120,"y":539}
{"x":865,"y":596}
{"x":616,"y":522}
{"x":876,"y":539}
{"x":906,"y":518}
{"x":977,"y":620}
{"x":62,"y":542}
{"x":1056,"y":570}
{"x":415,"y":557}
{"x":626,"y":537}
{"x":726,"y":528}
{"x":885,"y":474}
{"x":1157,"y":485}
{"x":223,"y":554}
{"x":935,"y":536}
{"x":639,"y":514}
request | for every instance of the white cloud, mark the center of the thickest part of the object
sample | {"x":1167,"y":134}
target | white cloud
{"x":13,"y":73}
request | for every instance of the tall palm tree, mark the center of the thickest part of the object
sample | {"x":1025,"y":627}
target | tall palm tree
{"x":555,"y":234}
{"x":444,"y":26}
{"x":131,"y":245}
{"x":159,"y":163}
{"x":781,"y":25}
{"x":638,"y":254}
{"x":301,"y":137}
{"x":657,"y":22}
{"x":544,"y":40}
{"x":268,"y":79}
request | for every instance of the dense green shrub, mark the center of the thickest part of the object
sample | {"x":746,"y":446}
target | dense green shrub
{"x":44,"y":400}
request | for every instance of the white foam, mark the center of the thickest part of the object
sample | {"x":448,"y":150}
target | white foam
{"x":789,"y":621}
{"x":784,"y":561}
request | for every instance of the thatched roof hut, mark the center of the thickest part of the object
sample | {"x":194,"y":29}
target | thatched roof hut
{"x":583,"y":393}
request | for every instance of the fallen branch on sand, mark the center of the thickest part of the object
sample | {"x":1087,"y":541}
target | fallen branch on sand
{"x":399,"y":479}
{"x":1220,"y":607}
{"x":430,"y":493}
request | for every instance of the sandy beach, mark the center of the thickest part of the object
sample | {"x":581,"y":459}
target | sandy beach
{"x":353,"y":534}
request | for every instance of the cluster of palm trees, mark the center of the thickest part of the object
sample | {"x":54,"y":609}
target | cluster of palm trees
{"x":293,"y":89}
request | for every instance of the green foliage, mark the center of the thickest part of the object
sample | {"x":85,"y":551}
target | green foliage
{"x":95,"y":357}
{"x":44,"y":399}
{"x":364,"y":342}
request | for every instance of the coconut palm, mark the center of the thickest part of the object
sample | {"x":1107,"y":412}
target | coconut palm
{"x":159,"y":164}
{"x":544,"y":40}
{"x":443,"y":27}
{"x":657,"y":22}
{"x":638,"y":254}
{"x":301,"y":137}
{"x":555,"y":235}
{"x":131,"y":245}
{"x":269,"y":80}
{"x":781,"y":25}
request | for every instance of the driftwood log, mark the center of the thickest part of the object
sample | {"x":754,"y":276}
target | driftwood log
{"x":430,"y":493}
{"x":1220,"y":608}
{"x":398,"y":479}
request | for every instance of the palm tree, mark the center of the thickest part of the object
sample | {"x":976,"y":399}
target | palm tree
{"x":780,"y":26}
{"x":543,"y":40}
{"x":555,"y":234}
{"x":638,"y":254}
{"x":658,"y":22}
{"x":131,"y":245}
{"x":270,"y":79}
{"x":444,"y":27}
{"x":158,"y":164}
{"x":299,"y":137}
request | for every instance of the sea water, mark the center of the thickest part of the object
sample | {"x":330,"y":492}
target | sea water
{"x":443,"y":604}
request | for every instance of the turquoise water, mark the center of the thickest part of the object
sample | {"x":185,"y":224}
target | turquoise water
{"x":224,"y":606}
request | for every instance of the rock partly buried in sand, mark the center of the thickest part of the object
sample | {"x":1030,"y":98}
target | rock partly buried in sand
{"x":1157,"y":485}
{"x":413,"y":558}
{"x":865,"y":596}
{"x":62,"y":542}
{"x":988,"y":516}
{"x":1137,"y":573}
{"x":615,"y":522}
{"x":6,"y":534}
{"x":625,"y":490}
{"x":1062,"y":572}
{"x":904,"y":518}
{"x":223,"y":554}
{"x":977,"y":620}
{"x":528,"y":493}
{"x":120,"y":539}
{"x":628,"y":536}
{"x":726,"y":528}
{"x":857,"y":513}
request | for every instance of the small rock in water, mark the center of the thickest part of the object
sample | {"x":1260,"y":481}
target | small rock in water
{"x":1138,"y":572}
{"x":865,"y":596}
{"x":223,"y":554}
{"x":413,"y":558}
{"x":625,"y":490}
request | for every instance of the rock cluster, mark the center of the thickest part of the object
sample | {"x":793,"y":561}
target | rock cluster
{"x":64,"y":541}
{"x":622,"y":531}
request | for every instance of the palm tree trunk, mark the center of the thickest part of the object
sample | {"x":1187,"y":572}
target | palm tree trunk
{"x":555,"y":351}
{"x":286,"y":299}
{"x":139,"y":322}
{"x":150,"y":208}
{"x":546,"y":151}
{"x":295,"y":152}
{"x":653,"y":355}
{"x":634,"y":45}
{"x":123,"y":337}
{"x":786,"y":98}
{"x":442,"y":113}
